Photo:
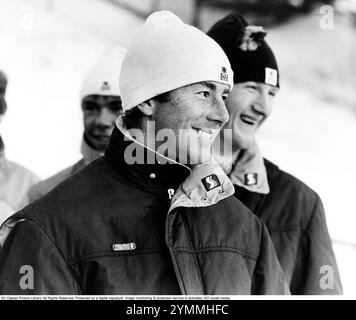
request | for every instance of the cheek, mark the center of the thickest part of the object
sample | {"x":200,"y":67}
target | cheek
{"x":237,"y":103}
{"x":113,"y":117}
{"x":168,"y":118}
{"x":88,"y":121}
{"x":269,"y":109}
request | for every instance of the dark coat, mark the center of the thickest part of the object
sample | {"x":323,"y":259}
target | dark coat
{"x":295,"y":218}
{"x":109,"y":229}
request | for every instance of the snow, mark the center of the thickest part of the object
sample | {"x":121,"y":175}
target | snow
{"x":47,"y":46}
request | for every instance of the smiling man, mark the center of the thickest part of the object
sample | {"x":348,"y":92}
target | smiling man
{"x":293,"y":213}
{"x":101,"y":105}
{"x":145,"y":221}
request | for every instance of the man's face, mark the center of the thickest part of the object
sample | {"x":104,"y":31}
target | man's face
{"x":194,"y":113}
{"x":100,"y":114}
{"x":249,"y":104}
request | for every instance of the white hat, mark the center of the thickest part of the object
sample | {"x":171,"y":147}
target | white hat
{"x":103,"y":77}
{"x":167,"y":54}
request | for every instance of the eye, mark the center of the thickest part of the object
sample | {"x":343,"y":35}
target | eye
{"x":90,"y":106}
{"x":114,"y":106}
{"x":204,"y":93}
{"x":251,"y":87}
{"x":224,"y":97}
{"x":273,"y":93}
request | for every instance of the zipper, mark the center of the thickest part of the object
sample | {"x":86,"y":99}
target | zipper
{"x":174,"y":261}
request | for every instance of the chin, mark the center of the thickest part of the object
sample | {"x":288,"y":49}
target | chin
{"x":99,"y":147}
{"x":195,"y":158}
{"x":242,"y":142}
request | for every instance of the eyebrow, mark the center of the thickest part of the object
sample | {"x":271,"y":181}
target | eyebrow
{"x":212,"y":86}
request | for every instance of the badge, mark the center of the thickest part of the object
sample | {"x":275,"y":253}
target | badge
{"x":124,"y":246}
{"x":105,"y":86}
{"x":211,"y":182}
{"x":251,"y":179}
{"x":223,"y":74}
{"x":271,"y":76}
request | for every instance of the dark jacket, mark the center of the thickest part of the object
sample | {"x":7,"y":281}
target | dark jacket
{"x":295,"y":218}
{"x":112,"y":229}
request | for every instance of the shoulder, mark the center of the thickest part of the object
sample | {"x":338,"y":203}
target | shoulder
{"x":283,"y":180}
{"x":77,"y":210}
{"x":43,"y":187}
{"x":293,"y":195}
{"x":16,"y":169}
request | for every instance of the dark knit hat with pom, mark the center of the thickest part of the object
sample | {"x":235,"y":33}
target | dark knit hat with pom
{"x":250,"y":56}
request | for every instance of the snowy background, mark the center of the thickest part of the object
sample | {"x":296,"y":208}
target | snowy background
{"x":46,"y":47}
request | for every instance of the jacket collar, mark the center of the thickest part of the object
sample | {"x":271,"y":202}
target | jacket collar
{"x":157,"y":172}
{"x":88,"y":153}
{"x":247,"y":169}
{"x":204,"y":185}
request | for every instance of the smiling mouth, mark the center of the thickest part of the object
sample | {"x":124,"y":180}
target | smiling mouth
{"x":101,"y":138}
{"x":248,"y":120}
{"x":203,"y":131}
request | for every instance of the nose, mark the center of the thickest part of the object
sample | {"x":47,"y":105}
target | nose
{"x":218,"y":113}
{"x":105,"y":118}
{"x":263,"y":104}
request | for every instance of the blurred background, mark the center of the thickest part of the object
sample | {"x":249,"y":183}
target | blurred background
{"x":47,"y":46}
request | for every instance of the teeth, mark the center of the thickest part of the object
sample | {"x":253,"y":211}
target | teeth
{"x":203,"y":132}
{"x":247,"y":119}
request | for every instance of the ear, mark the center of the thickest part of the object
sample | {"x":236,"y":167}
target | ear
{"x":147,"y":108}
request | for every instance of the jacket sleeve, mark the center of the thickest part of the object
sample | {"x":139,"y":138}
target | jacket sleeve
{"x":316,"y":268}
{"x":31,"y":264}
{"x":268,"y":277}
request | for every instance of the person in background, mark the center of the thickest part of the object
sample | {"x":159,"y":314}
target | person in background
{"x":101,"y":105}
{"x":15,"y":180}
{"x":150,"y":217}
{"x":292,"y":212}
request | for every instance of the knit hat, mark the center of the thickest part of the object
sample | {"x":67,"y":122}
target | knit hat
{"x":167,"y":54}
{"x":3,"y":85}
{"x":103,"y":78}
{"x":250,"y":56}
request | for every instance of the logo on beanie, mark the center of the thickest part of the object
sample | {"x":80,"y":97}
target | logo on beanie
{"x":211,"y":182}
{"x":105,"y":86}
{"x":223,"y":74}
{"x":271,"y":76}
{"x":251,"y":179}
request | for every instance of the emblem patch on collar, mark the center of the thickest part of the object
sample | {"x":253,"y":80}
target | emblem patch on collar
{"x":251,"y":179}
{"x":124,"y":246}
{"x":223,"y":74}
{"x":211,"y":182}
{"x":105,"y":86}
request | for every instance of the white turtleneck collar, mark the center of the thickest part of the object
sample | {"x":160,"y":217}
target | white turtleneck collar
{"x":247,"y":169}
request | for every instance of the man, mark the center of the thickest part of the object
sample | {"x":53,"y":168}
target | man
{"x":101,"y":105}
{"x":150,"y":217}
{"x":293,"y":213}
{"x":15,"y":180}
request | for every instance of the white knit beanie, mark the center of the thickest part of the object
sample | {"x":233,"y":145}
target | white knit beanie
{"x":167,"y":54}
{"x":103,"y":77}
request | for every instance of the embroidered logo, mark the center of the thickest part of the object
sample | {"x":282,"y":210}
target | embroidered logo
{"x":105,"y":86}
{"x":271,"y":76}
{"x":223,"y":74}
{"x":124,"y":246}
{"x":251,"y":179}
{"x":211,"y":182}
